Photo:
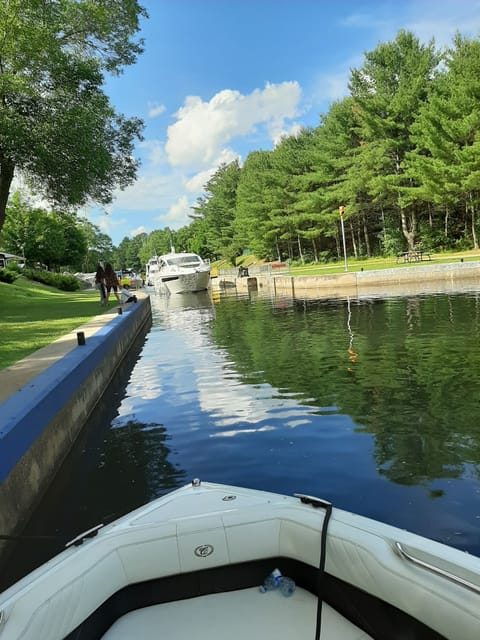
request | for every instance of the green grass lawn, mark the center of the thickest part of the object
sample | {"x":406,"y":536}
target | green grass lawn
{"x":380,"y":263}
{"x":33,"y":315}
{"x":353,"y":265}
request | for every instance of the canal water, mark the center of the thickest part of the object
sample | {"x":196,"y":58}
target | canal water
{"x":373,"y":404}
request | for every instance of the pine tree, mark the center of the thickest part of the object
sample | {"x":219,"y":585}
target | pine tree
{"x":388,"y":92}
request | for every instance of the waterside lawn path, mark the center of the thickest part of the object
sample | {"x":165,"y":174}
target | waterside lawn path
{"x":33,"y":315}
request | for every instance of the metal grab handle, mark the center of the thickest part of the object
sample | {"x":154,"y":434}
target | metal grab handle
{"x":80,"y":539}
{"x":313,"y":500}
{"x":440,"y":572}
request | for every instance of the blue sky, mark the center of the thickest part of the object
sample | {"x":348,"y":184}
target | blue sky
{"x":220,"y":78}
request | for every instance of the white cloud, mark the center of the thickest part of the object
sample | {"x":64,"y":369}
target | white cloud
{"x":331,"y":87}
{"x":197,"y":182}
{"x":197,"y":144}
{"x":419,"y":16}
{"x":364,"y":21}
{"x":426,"y":21}
{"x":155,"y":109}
{"x":155,"y":152}
{"x":106,"y":223}
{"x":278,"y":133}
{"x":138,"y":231}
{"x":177,"y":214}
{"x":151,"y":192}
{"x":198,"y":137}
{"x":423,"y":18}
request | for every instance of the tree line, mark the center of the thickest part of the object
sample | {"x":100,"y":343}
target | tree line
{"x":62,"y":240}
{"x":401,"y":153}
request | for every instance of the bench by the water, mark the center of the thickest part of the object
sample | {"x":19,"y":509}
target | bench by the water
{"x":415,"y":255}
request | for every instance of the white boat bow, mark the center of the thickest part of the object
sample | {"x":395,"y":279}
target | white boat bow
{"x":190,"y":564}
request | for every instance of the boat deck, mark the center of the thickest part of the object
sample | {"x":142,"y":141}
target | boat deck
{"x":236,"y":614}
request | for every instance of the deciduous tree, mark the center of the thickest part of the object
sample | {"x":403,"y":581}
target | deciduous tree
{"x":57,"y":127}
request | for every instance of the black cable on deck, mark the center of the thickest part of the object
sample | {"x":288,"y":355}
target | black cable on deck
{"x":321,"y":568}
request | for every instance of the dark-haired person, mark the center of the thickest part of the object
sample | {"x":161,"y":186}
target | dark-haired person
{"x":100,"y":284}
{"x":111,"y":281}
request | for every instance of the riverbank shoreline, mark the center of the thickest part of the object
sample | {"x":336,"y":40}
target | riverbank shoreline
{"x":412,"y":280}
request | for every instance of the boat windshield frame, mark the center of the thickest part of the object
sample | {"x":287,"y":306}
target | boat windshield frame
{"x":184,"y":261}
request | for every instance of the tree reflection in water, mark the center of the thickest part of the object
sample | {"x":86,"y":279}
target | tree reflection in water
{"x":416,"y":387}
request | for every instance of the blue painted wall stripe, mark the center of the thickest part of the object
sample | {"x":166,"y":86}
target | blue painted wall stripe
{"x":25,"y":414}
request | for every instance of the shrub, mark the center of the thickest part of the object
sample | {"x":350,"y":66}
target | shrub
{"x":63,"y":282}
{"x":325,"y":256}
{"x":463,"y":244}
{"x":433,"y":239}
{"x":392,"y":242}
{"x":14,"y":268}
{"x":7,"y":276}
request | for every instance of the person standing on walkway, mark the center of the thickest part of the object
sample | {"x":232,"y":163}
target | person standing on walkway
{"x":100,"y":284}
{"x":111,"y":281}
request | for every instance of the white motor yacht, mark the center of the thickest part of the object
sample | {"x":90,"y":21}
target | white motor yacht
{"x":179,"y":273}
{"x":150,"y":270}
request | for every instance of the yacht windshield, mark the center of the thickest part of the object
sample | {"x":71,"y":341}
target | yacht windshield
{"x":183,"y":261}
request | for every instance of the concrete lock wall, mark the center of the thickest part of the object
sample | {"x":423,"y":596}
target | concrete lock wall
{"x":40,"y":422}
{"x":397,"y":281}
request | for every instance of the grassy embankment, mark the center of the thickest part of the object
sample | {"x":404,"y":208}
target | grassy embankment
{"x":353,"y":265}
{"x":33,"y":315}
{"x":381,"y":263}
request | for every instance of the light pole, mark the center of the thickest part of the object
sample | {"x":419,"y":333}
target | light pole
{"x":342,"y":211}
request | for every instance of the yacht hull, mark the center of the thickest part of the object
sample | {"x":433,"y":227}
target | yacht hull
{"x":178,"y":273}
{"x":187,"y":282}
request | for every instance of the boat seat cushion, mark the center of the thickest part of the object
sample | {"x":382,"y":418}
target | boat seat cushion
{"x":236,"y":614}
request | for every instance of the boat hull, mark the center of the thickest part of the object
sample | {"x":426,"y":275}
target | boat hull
{"x":186,"y":282}
{"x":178,"y":273}
{"x":209,"y":540}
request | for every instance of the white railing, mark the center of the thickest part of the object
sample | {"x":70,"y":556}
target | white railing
{"x":270,"y":269}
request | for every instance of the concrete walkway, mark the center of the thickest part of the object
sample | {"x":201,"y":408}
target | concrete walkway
{"x":399,"y":281}
{"x":17,"y":375}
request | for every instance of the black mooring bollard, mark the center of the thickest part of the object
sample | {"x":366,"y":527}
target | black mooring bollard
{"x":80,"y":338}
{"x":120,"y":311}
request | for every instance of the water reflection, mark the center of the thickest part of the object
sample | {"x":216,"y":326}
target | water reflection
{"x":352,"y":354}
{"x":410,"y":385}
{"x":108,"y":472}
{"x":415,"y":387}
{"x":371,"y":403}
